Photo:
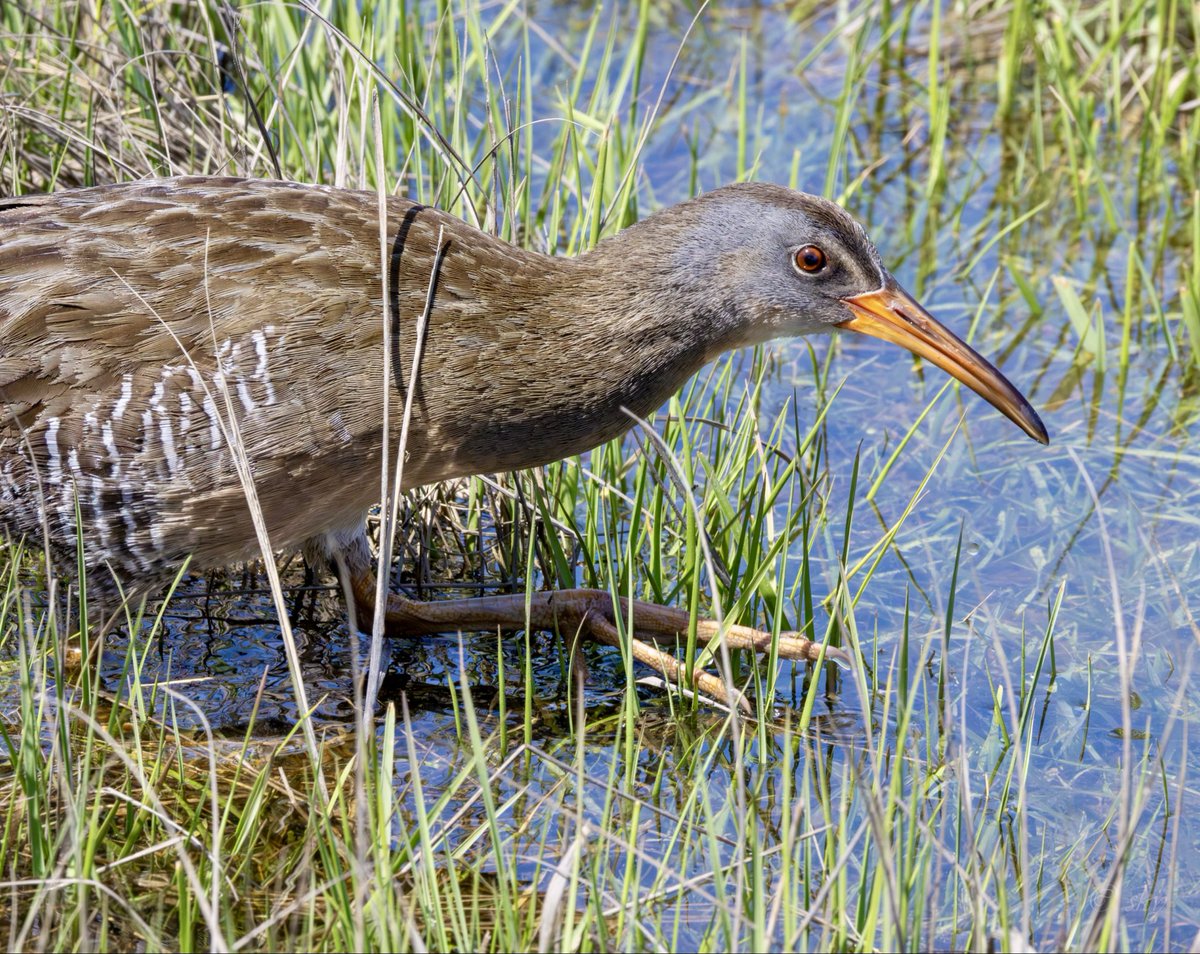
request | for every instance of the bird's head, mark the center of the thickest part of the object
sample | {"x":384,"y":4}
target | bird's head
{"x":766,"y":262}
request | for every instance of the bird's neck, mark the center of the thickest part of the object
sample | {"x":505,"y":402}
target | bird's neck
{"x":565,"y":354}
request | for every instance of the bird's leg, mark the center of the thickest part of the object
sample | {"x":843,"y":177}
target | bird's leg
{"x":584,"y":612}
{"x":578,"y":612}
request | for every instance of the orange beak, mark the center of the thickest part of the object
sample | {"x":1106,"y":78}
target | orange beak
{"x":894,"y":315}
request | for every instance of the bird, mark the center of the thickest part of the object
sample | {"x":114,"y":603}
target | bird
{"x":143,"y":322}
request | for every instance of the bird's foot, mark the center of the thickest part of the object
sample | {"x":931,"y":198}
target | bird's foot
{"x":590,"y":614}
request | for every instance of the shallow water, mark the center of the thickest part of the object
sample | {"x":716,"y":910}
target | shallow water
{"x":1128,"y":569}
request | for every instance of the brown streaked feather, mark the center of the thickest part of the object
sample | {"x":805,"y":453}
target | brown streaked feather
{"x":123,"y":309}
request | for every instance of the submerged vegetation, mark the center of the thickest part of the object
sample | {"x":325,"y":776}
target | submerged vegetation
{"x":1010,"y":766}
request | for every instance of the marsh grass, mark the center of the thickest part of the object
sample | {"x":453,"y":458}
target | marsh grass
{"x":885,"y":808}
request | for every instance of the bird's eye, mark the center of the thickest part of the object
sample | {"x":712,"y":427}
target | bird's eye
{"x":810,"y":259}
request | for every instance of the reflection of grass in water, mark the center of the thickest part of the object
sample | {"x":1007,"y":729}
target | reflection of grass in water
{"x":901,"y":816}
